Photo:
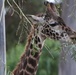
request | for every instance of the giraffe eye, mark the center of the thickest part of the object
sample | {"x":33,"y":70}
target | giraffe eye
{"x":54,"y":24}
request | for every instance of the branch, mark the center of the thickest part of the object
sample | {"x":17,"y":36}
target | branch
{"x":22,"y":13}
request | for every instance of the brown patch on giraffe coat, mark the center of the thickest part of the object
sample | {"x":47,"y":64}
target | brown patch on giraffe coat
{"x":30,"y":69}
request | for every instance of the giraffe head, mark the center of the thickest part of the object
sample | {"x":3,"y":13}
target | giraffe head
{"x":51,"y":25}
{"x":50,"y":29}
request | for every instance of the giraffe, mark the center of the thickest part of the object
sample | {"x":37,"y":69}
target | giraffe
{"x":29,"y":60}
{"x":48,"y":25}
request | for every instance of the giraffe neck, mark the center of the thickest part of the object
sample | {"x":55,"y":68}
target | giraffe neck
{"x":29,"y":61}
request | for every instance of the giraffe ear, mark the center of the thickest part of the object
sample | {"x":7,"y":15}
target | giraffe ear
{"x":52,"y":11}
{"x":32,"y":18}
{"x":35,"y":19}
{"x":53,"y":7}
{"x":52,"y":4}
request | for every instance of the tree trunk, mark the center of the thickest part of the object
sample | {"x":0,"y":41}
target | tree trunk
{"x":2,"y":40}
{"x":68,"y":66}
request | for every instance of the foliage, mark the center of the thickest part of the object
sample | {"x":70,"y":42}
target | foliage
{"x":49,"y":65}
{"x":13,"y":56}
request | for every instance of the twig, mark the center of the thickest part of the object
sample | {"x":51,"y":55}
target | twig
{"x":22,"y":13}
{"x":12,"y":8}
{"x":48,"y":50}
